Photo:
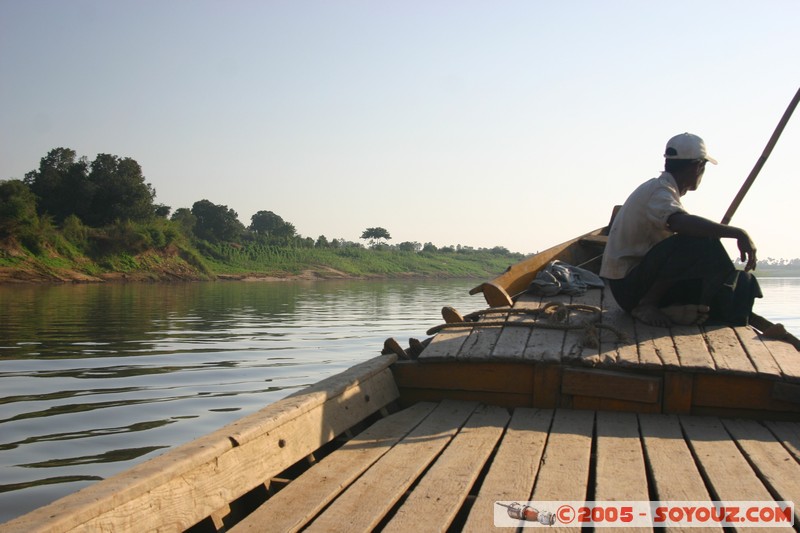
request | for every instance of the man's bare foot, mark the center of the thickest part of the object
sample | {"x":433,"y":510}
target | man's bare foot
{"x":652,"y":315}
{"x":687,"y":314}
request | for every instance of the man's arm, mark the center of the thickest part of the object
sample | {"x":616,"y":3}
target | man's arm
{"x":696,"y":226}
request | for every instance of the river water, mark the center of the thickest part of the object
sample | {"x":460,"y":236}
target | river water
{"x":97,"y":378}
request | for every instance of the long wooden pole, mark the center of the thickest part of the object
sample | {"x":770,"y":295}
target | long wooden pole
{"x":761,"y":160}
{"x":775,"y":331}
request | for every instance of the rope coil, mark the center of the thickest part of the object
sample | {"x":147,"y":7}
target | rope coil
{"x":556,"y":316}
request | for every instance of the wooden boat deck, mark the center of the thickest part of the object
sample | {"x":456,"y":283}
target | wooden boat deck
{"x":718,"y":370}
{"x":435,"y":466}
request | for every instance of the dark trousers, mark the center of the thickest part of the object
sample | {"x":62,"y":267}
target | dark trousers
{"x":698,"y":271}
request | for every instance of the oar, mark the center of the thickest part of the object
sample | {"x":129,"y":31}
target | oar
{"x":763,"y":325}
{"x":761,"y":160}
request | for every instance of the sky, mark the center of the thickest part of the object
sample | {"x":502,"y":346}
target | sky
{"x":506,"y":123}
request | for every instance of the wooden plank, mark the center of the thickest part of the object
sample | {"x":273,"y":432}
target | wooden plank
{"x":373,"y":495}
{"x":648,"y":353}
{"x":620,"y":473}
{"x":674,"y":474}
{"x":489,"y":377}
{"x":610,"y":384}
{"x":788,"y":433}
{"x":445,"y":344}
{"x":653,"y":340}
{"x":434,"y":502}
{"x":678,"y":387}
{"x":565,"y":469}
{"x":786,"y":392}
{"x":727,"y":472}
{"x":758,"y":353}
{"x":292,"y":507}
{"x":729,"y":391}
{"x":738,"y":412}
{"x":481,"y":342}
{"x":610,"y":404}
{"x":545,"y":345}
{"x":613,"y":350}
{"x":692,"y":349}
{"x":583,"y":345}
{"x":192,"y":481}
{"x":547,"y":386}
{"x":727,"y":351}
{"x":786,"y":356}
{"x":779,"y":471}
{"x":411,"y":396}
{"x":564,"y":473}
{"x":514,"y":467}
{"x":512,"y":340}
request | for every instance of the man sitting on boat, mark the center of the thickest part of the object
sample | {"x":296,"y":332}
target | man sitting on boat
{"x":665,"y":266}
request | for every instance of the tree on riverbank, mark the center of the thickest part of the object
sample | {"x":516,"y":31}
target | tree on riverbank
{"x":216,"y":223}
{"x":376,"y":236}
{"x":271,"y":227}
{"x":17,"y":209}
{"x":108,"y":189}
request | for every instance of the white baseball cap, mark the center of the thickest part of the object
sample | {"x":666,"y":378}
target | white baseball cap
{"x":687,"y":146}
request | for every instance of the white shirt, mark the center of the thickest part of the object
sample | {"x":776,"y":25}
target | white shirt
{"x":640,"y":224}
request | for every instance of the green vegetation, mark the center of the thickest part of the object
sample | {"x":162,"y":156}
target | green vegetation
{"x":355,"y":261}
{"x":75,"y":220}
{"x":71,"y":219}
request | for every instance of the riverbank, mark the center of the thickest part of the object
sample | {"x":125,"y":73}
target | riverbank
{"x":289,"y":264}
{"x":18,"y":265}
{"x":31,"y":272}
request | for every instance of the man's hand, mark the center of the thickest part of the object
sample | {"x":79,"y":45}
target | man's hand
{"x":702,"y":227}
{"x":747,"y":251}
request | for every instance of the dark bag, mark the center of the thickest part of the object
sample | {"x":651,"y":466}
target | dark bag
{"x":733,"y":303}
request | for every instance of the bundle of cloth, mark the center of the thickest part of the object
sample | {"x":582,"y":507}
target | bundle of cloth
{"x":562,"y":278}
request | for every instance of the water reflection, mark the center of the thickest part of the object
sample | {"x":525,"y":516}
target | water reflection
{"x":94,"y":378}
{"x":113,"y":456}
{"x":40,"y":483}
{"x":141,"y":426}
